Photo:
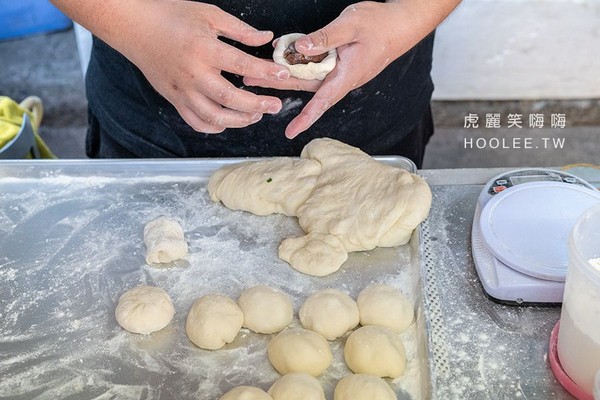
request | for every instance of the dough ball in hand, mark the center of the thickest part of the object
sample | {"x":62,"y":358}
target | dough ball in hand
{"x":330,"y":313}
{"x":266,"y":310}
{"x":385,"y":305}
{"x":363,"y":387}
{"x":300,"y":66}
{"x":375,"y":350}
{"x":299,"y":350}
{"x":297,"y":386}
{"x":213,"y":321}
{"x":246,"y":393}
{"x":144,"y":309}
{"x":164,"y":241}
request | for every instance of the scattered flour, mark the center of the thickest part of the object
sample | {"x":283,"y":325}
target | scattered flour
{"x":485,"y":350}
{"x":75,"y":245}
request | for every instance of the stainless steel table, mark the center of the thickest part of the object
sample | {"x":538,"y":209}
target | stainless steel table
{"x":479,"y":349}
{"x":70,"y":244}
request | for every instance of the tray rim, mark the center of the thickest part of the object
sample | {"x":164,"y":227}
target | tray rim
{"x":409,"y":165}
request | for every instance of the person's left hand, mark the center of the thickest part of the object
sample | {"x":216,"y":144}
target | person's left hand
{"x":368,"y":37}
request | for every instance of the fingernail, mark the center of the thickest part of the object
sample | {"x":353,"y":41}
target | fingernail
{"x":304,"y":44}
{"x":283,"y":74}
{"x":274,"y":108}
{"x":290,"y":134}
{"x":256,"y":117}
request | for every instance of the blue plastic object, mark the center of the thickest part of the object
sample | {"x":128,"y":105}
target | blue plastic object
{"x":20,"y":18}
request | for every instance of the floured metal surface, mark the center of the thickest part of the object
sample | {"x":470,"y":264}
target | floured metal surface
{"x":480,"y":349}
{"x":71,"y":243}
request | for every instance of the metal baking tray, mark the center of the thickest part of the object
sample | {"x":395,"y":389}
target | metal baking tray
{"x":71,"y":244}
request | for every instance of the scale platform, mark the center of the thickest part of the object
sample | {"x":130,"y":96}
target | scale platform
{"x":520,"y":229}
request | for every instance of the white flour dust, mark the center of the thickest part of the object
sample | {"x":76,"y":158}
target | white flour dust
{"x":69,"y":247}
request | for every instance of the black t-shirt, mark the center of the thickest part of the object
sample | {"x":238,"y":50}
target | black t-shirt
{"x":374,"y":117}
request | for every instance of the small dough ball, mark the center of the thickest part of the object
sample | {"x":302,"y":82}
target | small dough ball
{"x":164,"y":241}
{"x":375,"y":350}
{"x":299,"y":350}
{"x":385,"y":305}
{"x":330,"y":313}
{"x":363,"y":387}
{"x":308,"y":71}
{"x":144,"y":309}
{"x":213,"y":321}
{"x":297,"y":386}
{"x":246,"y":393}
{"x":266,"y":310}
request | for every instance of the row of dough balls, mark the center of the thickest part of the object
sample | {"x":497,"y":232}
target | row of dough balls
{"x":262,"y":309}
{"x":214,"y":320}
{"x":300,"y":386}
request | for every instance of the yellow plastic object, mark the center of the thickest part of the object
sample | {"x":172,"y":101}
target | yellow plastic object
{"x":11,"y":122}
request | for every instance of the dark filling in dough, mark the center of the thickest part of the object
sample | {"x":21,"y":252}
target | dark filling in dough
{"x":293,"y":57}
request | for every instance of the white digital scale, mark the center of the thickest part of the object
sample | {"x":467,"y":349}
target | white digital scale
{"x":519,"y":237}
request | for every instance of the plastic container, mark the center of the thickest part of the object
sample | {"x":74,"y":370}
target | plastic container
{"x":20,"y":18}
{"x":579,"y":334}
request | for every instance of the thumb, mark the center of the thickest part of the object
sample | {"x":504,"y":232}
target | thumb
{"x":325,"y":39}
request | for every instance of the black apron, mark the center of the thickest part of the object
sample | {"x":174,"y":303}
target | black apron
{"x":388,"y":115}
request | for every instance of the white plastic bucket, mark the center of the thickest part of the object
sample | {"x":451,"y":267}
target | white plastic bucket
{"x":579,"y":335}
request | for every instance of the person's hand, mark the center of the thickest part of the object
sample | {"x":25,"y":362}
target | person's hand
{"x":368,"y":37}
{"x":178,"y":51}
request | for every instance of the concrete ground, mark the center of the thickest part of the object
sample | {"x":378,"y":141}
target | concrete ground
{"x":48,"y":66}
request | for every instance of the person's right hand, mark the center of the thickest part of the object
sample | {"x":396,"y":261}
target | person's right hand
{"x":176,"y":47}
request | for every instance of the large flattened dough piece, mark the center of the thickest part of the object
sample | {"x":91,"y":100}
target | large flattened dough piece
{"x":279,"y":185}
{"x":308,"y":71}
{"x":344,"y":200}
{"x":361,"y":201}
